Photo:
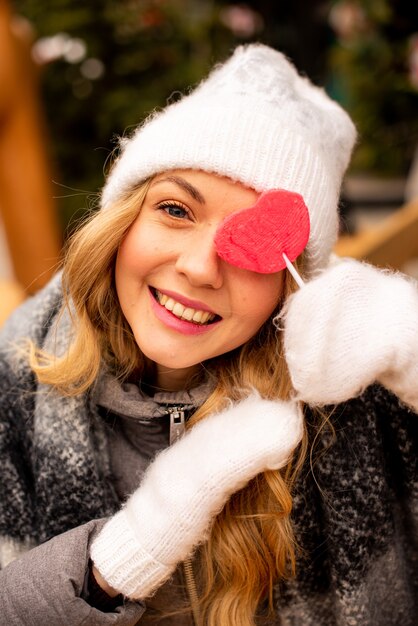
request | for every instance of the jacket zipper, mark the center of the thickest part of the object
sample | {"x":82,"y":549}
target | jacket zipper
{"x":192,"y":590}
{"x":177,"y":423}
{"x":177,"y":430}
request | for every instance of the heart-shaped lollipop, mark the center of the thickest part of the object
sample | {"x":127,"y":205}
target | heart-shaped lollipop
{"x":261,"y":237}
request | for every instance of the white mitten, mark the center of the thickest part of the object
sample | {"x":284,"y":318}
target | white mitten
{"x":350,"y":327}
{"x":186,"y":486}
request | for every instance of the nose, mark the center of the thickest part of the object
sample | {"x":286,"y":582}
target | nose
{"x":199,"y":261}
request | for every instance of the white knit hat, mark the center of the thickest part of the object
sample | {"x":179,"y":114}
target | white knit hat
{"x":257,"y":121}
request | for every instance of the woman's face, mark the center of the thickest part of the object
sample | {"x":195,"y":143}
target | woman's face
{"x":183,"y":303}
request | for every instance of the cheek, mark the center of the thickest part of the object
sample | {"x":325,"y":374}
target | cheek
{"x":125,"y":260}
{"x":137,"y":254}
{"x":123,"y":283}
{"x":132,"y":265}
{"x":260,"y":296}
{"x":126,"y":271}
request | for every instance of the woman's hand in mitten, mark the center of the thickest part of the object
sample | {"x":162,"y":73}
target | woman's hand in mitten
{"x":349,"y":327}
{"x":187,"y":485}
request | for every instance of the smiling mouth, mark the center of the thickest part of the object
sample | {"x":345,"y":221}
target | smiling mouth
{"x":195,"y":316}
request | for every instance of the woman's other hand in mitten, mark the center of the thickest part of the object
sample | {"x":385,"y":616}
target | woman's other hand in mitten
{"x":352,"y":326}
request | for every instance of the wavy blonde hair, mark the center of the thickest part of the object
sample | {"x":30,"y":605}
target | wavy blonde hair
{"x":251,"y":545}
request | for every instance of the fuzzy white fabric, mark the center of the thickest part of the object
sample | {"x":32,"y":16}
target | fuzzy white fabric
{"x":352,"y":326}
{"x":256,"y":121}
{"x":187,"y":485}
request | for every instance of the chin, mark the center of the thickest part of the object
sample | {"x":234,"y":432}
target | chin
{"x":173,"y":362}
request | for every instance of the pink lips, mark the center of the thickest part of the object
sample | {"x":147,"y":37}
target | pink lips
{"x":175,"y":323}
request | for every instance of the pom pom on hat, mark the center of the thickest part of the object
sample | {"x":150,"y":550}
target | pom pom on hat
{"x":255,"y":120}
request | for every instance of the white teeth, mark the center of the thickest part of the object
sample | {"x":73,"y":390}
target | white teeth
{"x":186,"y":313}
{"x":178,"y":309}
{"x":169,"y":304}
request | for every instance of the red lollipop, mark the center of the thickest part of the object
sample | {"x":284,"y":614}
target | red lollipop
{"x":261,"y":237}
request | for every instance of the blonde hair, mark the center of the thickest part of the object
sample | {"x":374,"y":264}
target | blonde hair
{"x":251,"y":544}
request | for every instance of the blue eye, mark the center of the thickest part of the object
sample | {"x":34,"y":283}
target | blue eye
{"x":174,"y":210}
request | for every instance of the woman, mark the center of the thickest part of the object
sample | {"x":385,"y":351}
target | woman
{"x":164,"y":332}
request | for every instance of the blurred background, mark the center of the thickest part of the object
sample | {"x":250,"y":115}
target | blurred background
{"x":74,"y":75}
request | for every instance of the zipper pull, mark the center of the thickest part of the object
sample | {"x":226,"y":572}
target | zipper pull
{"x":177,"y":424}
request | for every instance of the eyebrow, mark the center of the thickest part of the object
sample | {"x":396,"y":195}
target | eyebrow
{"x":185,"y":185}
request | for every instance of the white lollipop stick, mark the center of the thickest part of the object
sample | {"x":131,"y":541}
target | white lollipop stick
{"x":293,"y":270}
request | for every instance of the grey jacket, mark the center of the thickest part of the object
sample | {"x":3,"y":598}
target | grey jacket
{"x":355,"y":505}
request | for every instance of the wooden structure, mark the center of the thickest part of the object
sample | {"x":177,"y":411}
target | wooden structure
{"x":392,"y":243}
{"x":27,"y":207}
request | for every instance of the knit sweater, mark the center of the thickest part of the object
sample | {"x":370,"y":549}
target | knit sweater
{"x":355,"y":503}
